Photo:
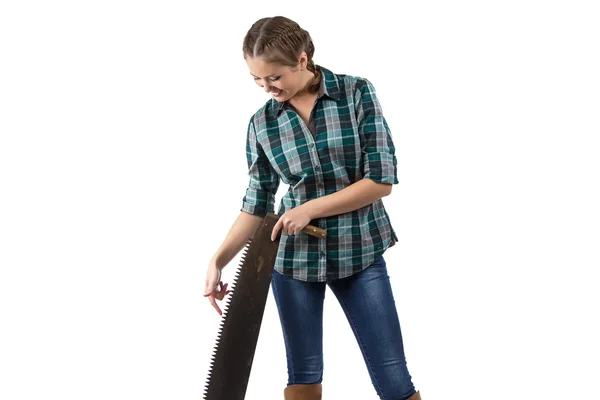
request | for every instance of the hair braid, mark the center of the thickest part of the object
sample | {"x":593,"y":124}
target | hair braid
{"x":281,"y":40}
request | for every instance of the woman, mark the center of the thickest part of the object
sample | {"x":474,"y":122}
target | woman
{"x":323,"y":134}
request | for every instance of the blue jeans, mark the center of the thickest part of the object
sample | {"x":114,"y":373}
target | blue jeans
{"x":368,"y":303}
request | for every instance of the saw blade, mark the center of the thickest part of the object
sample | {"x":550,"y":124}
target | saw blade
{"x":232,"y":358}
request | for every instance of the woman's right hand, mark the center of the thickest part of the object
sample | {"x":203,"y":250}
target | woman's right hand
{"x":211,"y":286}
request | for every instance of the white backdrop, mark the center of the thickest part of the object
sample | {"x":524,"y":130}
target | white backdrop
{"x":122,"y":168}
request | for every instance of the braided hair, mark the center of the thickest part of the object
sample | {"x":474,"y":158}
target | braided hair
{"x":281,"y":40}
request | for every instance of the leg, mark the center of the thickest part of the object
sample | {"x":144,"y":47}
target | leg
{"x":368,"y":303}
{"x":300,"y":307}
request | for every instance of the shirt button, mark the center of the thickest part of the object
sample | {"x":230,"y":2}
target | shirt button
{"x":317,"y":167}
{"x":311,"y":144}
{"x":323,"y":254}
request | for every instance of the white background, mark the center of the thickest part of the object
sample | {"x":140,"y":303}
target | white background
{"x":122,"y":168}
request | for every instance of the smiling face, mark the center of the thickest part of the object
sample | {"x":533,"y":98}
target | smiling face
{"x":280,"y":81}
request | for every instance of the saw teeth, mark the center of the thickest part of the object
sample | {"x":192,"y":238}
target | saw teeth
{"x":246,"y":269}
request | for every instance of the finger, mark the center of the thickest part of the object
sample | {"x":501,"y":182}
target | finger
{"x":221,"y":292}
{"x":215,"y":305}
{"x":275,"y":230}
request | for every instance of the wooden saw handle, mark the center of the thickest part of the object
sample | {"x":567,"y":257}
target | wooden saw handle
{"x":314,"y":231}
{"x":309,"y":229}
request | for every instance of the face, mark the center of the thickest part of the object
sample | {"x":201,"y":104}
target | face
{"x":280,"y":81}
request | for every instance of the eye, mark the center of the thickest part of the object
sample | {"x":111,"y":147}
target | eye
{"x":273,"y":79}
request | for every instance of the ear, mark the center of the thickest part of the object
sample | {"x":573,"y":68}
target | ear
{"x":303,"y":60}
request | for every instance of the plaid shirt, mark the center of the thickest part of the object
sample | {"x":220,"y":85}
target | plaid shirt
{"x":350,"y":141}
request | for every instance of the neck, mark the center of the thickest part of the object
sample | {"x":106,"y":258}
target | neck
{"x":308,"y":81}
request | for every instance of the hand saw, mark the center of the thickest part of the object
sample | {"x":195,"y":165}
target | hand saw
{"x":236,"y":343}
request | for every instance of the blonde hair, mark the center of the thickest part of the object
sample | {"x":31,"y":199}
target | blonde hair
{"x":281,"y":40}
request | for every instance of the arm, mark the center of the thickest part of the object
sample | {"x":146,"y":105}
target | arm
{"x":259,"y":199}
{"x":353,"y":197}
{"x":242,"y":229}
{"x":264,"y":180}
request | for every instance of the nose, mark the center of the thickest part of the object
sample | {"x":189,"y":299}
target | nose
{"x":267,"y":87}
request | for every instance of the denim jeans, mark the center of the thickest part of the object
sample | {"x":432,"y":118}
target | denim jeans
{"x":368,"y":303}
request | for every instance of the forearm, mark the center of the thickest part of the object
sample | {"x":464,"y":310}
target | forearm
{"x":242,"y":229}
{"x":353,"y":197}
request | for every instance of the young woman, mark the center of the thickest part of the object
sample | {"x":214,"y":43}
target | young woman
{"x":323,"y":134}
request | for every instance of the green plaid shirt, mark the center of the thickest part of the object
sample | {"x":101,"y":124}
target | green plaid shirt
{"x":351,"y":141}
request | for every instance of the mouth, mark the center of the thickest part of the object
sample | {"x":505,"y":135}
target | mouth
{"x":276,"y":92}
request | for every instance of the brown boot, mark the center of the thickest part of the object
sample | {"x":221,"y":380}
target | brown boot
{"x":415,"y":396}
{"x":303,"y":392}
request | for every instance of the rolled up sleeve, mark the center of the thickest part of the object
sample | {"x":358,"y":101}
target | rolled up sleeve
{"x":264,"y":181}
{"x":378,"y":159}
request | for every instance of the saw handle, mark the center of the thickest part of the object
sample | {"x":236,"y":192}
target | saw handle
{"x":314,"y":231}
{"x":309,"y":229}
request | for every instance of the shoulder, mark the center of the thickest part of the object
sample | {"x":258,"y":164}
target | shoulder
{"x":264,"y":113}
{"x":350,"y":86}
{"x":362,"y":86}
{"x":341,"y":85}
{"x":363,"y":92}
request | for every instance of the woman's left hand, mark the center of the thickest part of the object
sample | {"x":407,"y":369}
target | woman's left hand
{"x":292,"y":222}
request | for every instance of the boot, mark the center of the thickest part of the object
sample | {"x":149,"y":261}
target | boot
{"x":416,"y":396}
{"x":303,"y":392}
